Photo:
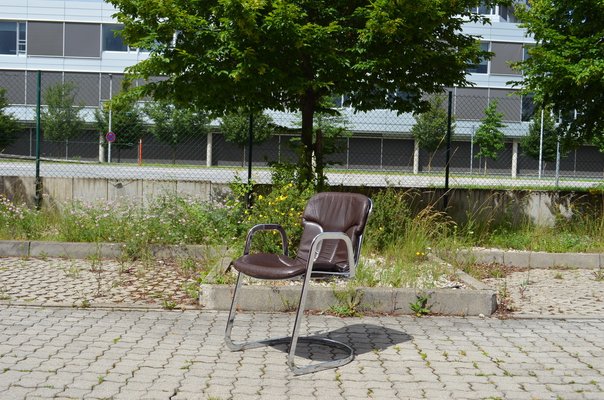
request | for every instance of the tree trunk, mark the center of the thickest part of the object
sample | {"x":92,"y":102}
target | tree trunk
{"x":319,"y":161}
{"x":174,"y":155}
{"x":485,"y":165}
{"x":306,"y":160}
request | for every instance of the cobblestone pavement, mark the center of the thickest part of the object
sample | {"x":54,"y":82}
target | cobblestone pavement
{"x":63,"y":353}
{"x":93,"y":353}
{"x":552,"y":292}
{"x":74,"y":282}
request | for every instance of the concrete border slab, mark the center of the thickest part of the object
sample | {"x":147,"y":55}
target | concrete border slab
{"x":464,"y":302}
{"x":534,"y":259}
{"x":14,"y":248}
{"x":74,"y":250}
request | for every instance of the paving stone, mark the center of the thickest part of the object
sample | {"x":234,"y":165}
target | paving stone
{"x":67,"y":349}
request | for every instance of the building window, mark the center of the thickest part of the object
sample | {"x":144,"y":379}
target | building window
{"x":482,"y":9}
{"x":528,"y":107}
{"x":525,"y":52}
{"x":111,"y":41}
{"x":12,"y":37}
{"x":22,"y":42}
{"x":483,"y":66}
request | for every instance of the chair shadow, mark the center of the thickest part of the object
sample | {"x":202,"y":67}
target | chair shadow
{"x":363,"y":338}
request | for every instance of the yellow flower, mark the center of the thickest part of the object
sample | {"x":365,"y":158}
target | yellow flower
{"x":260,"y":197}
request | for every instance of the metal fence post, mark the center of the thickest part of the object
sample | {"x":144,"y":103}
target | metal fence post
{"x":448,"y":154}
{"x":249,"y":161}
{"x":38,"y":196}
{"x":110,"y":116}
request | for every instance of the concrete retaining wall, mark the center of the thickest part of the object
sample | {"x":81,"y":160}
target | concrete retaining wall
{"x":541,"y":207}
{"x":57,"y":191}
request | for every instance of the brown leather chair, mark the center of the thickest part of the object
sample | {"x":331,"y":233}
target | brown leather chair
{"x":333,"y":232}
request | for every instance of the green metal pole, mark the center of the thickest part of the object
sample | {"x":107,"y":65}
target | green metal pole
{"x":448,"y":153}
{"x":250,"y":144}
{"x":38,"y":178}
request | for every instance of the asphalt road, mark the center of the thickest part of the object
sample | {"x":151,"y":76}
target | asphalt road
{"x":262,"y":175}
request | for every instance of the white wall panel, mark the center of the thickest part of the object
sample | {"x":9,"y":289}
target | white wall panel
{"x":13,"y":9}
{"x":83,"y":11}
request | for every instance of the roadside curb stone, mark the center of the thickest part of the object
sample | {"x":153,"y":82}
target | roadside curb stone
{"x":533,"y":259}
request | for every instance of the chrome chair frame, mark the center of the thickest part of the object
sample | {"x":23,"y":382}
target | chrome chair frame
{"x":295,"y":338}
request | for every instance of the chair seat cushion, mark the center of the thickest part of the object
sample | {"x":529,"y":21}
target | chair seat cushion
{"x":269,"y":266}
{"x":274,"y":266}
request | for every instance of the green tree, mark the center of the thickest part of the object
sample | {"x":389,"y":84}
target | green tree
{"x":9,"y":126}
{"x":598,"y":141}
{"x":235,"y":128}
{"x":566,"y":66}
{"x":126,"y":122}
{"x":489,"y":136}
{"x":172,"y":124}
{"x":531,"y":143}
{"x":430,"y":129}
{"x":290,"y":55}
{"x":329,"y":128}
{"x":61,"y":117}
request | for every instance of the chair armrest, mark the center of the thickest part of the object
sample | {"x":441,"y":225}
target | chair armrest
{"x":315,"y":249}
{"x":266,"y":227}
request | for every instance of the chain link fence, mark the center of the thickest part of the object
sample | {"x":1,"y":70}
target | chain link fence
{"x":377,"y":148}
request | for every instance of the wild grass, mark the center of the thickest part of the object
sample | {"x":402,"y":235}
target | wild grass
{"x":582,"y":232}
{"x":402,"y":231}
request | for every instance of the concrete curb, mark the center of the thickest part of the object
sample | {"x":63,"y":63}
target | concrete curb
{"x":464,"y":302}
{"x":532,"y":259}
{"x":79,"y":250}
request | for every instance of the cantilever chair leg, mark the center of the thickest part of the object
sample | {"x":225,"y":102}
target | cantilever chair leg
{"x":322,"y":341}
{"x":291,"y":341}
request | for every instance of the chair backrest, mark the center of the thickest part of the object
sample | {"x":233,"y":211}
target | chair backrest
{"x":334,"y":212}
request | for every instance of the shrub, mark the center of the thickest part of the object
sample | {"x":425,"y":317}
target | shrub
{"x":283,"y":205}
{"x":18,"y":221}
{"x":389,"y":220}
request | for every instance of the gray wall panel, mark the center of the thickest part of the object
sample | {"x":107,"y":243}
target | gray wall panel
{"x":87,"y":87}
{"x":505,"y":53}
{"x":507,"y":103}
{"x":470,"y":103}
{"x":14,"y":83}
{"x":82,"y":40}
{"x":45,"y":38}
{"x":116,"y":86}
{"x":48,"y":79}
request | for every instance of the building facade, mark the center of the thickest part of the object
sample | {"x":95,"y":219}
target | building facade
{"x":74,"y":41}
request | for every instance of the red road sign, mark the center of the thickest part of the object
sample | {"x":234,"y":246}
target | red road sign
{"x":110,"y":136}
